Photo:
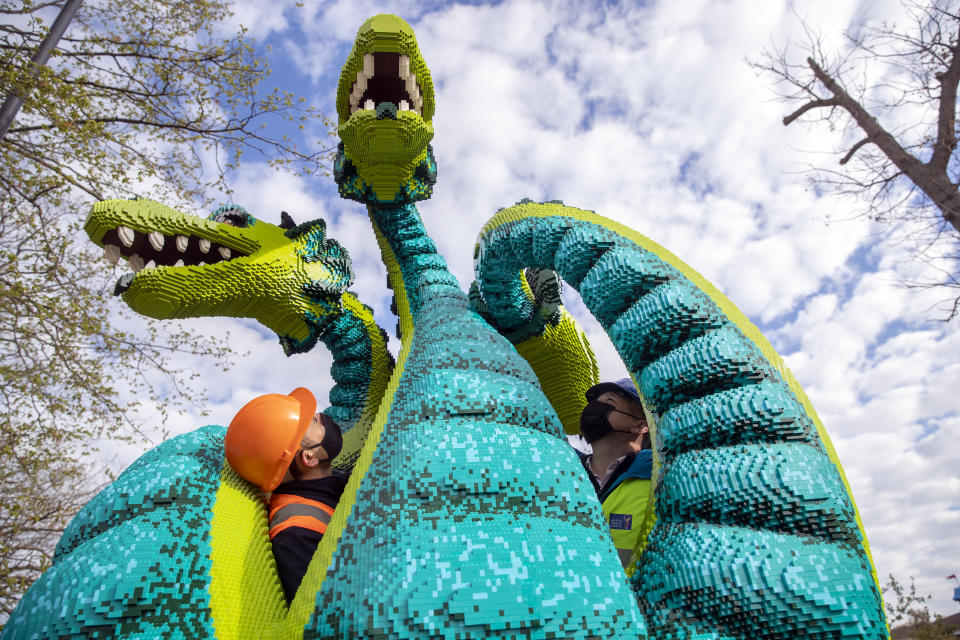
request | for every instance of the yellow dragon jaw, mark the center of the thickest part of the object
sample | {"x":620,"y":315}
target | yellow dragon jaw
{"x":230,"y":264}
{"x":385,"y":105}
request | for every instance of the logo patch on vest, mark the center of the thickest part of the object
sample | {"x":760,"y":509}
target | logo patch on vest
{"x":621,"y":521}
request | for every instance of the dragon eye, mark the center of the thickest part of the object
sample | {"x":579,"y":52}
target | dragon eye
{"x":233,"y":216}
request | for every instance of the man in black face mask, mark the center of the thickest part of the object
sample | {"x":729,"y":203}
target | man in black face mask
{"x":614,"y":425}
{"x":301,"y":507}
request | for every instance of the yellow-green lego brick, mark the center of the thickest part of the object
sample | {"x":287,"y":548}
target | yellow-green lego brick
{"x":303,"y":604}
{"x":380,"y":370}
{"x":565,"y":366}
{"x":388,"y":33}
{"x":245,"y":592}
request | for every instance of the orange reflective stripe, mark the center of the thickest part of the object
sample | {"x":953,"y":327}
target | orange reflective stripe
{"x":280,"y":500}
{"x":288,"y":510}
{"x":304,"y":522}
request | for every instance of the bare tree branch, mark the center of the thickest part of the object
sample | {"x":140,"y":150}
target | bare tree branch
{"x":845,"y":159}
{"x":907,"y":169}
{"x":877,"y":134}
{"x":947,"y":118}
{"x":815,"y":104}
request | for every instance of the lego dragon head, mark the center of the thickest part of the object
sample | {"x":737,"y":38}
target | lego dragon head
{"x":288,"y":277}
{"x":385,"y":107}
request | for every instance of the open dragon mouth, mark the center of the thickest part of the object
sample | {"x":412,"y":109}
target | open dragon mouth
{"x":386,"y":78}
{"x":154,"y":249}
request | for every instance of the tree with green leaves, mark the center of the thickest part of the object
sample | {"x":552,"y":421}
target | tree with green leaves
{"x":160,"y":98}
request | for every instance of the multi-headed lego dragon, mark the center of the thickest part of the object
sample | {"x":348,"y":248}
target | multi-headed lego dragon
{"x":467,"y":514}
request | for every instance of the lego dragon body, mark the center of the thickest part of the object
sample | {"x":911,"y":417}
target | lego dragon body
{"x":467,"y":514}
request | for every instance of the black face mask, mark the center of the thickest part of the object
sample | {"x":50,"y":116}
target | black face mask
{"x":595,"y":422}
{"x":332,"y":443}
{"x":294,"y":470}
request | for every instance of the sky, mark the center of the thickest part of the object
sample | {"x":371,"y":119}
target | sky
{"x":648,"y":114}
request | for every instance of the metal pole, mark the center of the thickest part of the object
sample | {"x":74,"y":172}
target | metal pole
{"x":13,"y":102}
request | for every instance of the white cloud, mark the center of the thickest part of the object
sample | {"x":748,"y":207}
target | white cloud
{"x":261,"y":19}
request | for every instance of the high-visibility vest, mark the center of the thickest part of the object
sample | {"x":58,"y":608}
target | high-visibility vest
{"x":624,"y":505}
{"x":288,"y":510}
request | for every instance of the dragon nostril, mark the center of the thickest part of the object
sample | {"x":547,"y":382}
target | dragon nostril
{"x":386,"y":110}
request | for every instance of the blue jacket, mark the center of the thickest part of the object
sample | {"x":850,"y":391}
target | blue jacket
{"x":624,"y":501}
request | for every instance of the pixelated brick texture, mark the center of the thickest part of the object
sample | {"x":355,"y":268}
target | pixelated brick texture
{"x":246,"y":599}
{"x":292,"y":280}
{"x":565,"y":366}
{"x":178,"y":472}
{"x":385,"y":33}
{"x":547,"y":337}
{"x":361,"y":370}
{"x":474,"y":518}
{"x":135,"y":562}
{"x":745,"y":583}
{"x":755,"y":532}
{"x":385,"y":160}
{"x":283,"y":278}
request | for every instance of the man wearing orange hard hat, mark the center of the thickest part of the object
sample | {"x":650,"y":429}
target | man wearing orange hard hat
{"x":280,"y":444}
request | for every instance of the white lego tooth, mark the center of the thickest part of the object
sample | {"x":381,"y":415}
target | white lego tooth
{"x":225,"y":252}
{"x":150,"y":265}
{"x":156,"y":240}
{"x":178,"y":263}
{"x":368,"y":65}
{"x":112,"y":253}
{"x":201,"y":264}
{"x":136,"y":263}
{"x":404,"y":67}
{"x":204,"y":245}
{"x":404,"y":105}
{"x":126,"y":235}
{"x":414,"y":92}
{"x":358,"y":88}
{"x":368,"y":105}
{"x":182,"y":243}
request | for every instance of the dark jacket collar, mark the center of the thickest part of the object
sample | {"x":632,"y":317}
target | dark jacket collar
{"x":635,"y":465}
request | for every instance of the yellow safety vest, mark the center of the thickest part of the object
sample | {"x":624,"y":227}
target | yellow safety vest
{"x":624,"y":505}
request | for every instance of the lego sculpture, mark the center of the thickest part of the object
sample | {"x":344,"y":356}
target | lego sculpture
{"x":467,"y":514}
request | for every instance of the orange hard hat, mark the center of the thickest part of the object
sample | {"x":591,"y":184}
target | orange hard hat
{"x":265,"y":435}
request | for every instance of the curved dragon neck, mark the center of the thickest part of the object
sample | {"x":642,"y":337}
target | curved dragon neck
{"x":462,"y":407}
{"x":361,"y":371}
{"x":416,"y":266}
